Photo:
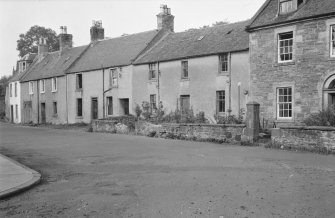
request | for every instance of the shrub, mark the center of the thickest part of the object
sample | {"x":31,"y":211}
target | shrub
{"x":146,"y":112}
{"x":322,"y":118}
{"x":138,"y":111}
{"x":230,"y":119}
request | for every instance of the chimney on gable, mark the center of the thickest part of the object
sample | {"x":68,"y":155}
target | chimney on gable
{"x":165,"y":20}
{"x":42,"y":48}
{"x":97,"y":31}
{"x":65,"y":39}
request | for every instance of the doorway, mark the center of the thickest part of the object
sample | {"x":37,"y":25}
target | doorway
{"x":94,"y":109}
{"x":124,"y":109}
{"x":27,"y":107}
{"x":43,"y":116}
{"x":12,"y":113}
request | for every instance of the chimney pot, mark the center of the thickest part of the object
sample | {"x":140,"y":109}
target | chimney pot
{"x":164,"y":19}
{"x":97,"y":31}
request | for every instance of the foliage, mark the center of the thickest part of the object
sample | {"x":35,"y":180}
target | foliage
{"x":138,"y":111}
{"x":185,"y":116}
{"x":28,"y":41}
{"x":217,"y":23}
{"x":3,"y":83}
{"x":231,"y":119}
{"x":146,"y":112}
{"x":322,"y":118}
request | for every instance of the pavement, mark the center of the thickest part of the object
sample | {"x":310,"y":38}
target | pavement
{"x":15,"y":177}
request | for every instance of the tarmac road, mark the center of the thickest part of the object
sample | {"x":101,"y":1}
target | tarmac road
{"x":105,"y":175}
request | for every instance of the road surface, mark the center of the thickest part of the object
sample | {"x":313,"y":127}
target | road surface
{"x":105,"y":175}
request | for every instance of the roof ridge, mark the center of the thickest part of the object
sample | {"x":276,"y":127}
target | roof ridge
{"x":143,"y":52}
{"x":132,"y":34}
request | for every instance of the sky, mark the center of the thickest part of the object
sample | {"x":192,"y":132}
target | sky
{"x":117,"y":16}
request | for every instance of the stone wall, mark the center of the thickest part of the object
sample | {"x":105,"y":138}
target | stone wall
{"x":306,"y":74}
{"x":316,"y":139}
{"x":219,"y":133}
{"x":110,"y":126}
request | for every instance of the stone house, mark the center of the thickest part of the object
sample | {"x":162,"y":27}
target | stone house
{"x":100,"y":81}
{"x":44,"y":86}
{"x":14,"y":87}
{"x":292,"y":59}
{"x":201,"y":69}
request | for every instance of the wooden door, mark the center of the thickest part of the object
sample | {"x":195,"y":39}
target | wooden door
{"x":43,"y":116}
{"x":94,"y":108}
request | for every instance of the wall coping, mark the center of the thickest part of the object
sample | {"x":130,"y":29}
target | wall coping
{"x":203,"y":124}
{"x":320,"y":128}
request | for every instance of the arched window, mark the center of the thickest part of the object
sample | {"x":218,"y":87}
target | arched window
{"x":329,"y":93}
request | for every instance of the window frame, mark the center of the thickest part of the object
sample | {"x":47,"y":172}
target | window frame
{"x":182,"y":97}
{"x":222,"y":101}
{"x":284,"y":47}
{"x":54,"y":84}
{"x":291,"y":6}
{"x":31,"y":87}
{"x":79,"y":82}
{"x":153,"y":102}
{"x":113,"y":74}
{"x":332,"y":41}
{"x":77,"y":108}
{"x":42,"y":86}
{"x":15,"y":89}
{"x":184,"y":69}
{"x":108,"y":105}
{"x":289,"y":103}
{"x":224,"y":58}
{"x":152,"y":71}
{"x":11,"y":90}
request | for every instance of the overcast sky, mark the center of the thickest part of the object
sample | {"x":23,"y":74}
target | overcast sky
{"x":118,"y":17}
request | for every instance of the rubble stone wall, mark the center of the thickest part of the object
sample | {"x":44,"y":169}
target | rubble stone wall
{"x":317,"y":139}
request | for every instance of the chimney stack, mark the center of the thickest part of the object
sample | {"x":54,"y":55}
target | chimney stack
{"x":165,"y":20}
{"x":43,"y":48}
{"x":97,"y":31}
{"x":65,"y":39}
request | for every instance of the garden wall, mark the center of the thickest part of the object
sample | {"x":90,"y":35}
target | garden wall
{"x":232,"y":133}
{"x":316,"y":139}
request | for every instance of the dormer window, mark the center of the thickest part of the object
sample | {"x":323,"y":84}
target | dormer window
{"x":287,"y":6}
{"x":22,"y":66}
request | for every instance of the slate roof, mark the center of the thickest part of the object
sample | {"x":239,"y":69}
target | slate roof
{"x":118,"y":51}
{"x":268,"y":13}
{"x":53,"y":64}
{"x":199,"y":42}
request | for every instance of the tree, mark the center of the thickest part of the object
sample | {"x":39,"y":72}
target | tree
{"x":28,"y":42}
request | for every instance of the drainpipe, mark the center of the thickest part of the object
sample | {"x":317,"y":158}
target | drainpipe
{"x":158,"y":92}
{"x":67,"y":107}
{"x":239,"y":97}
{"x":103,"y":93}
{"x":229,"y":58}
{"x":38,"y":101}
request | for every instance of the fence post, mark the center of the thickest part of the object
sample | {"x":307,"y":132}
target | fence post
{"x":252,"y":122}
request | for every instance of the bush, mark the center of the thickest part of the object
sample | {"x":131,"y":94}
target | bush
{"x":322,"y":118}
{"x":138,"y":111}
{"x":230,"y":119}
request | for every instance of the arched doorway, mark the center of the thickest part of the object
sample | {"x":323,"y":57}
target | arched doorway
{"x":329,"y":92}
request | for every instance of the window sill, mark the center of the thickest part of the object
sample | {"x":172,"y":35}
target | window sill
{"x":113,"y":86}
{"x":79,"y":90}
{"x":54,"y":91}
{"x":152,"y":80}
{"x":281,"y":120}
{"x":42,"y":92}
{"x":223,"y":73}
{"x":79,"y":117}
{"x":31,"y":93}
{"x":184,"y":79}
{"x":284,"y":63}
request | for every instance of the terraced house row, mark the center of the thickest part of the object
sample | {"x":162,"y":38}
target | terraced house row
{"x":283,"y":58}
